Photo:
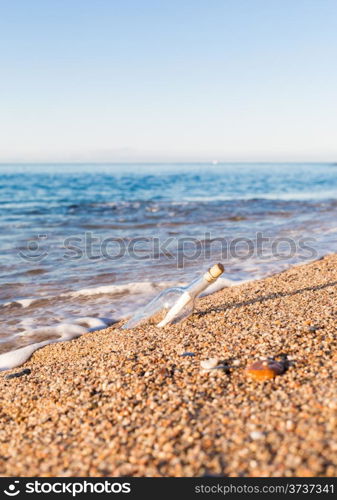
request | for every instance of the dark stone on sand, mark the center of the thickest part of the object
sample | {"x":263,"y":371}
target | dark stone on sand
{"x":314,"y":328}
{"x":186,"y":354}
{"x":27,"y":371}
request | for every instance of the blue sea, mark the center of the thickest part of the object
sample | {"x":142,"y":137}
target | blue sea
{"x":85,"y":245}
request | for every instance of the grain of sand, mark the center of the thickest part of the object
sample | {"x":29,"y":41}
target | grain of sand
{"x":118,"y":402}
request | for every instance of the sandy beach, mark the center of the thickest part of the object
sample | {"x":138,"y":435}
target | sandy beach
{"x":116,"y":402}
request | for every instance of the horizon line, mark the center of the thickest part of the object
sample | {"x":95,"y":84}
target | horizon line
{"x":152,"y":162}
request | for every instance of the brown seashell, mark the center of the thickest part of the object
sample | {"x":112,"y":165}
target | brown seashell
{"x":265,"y":369}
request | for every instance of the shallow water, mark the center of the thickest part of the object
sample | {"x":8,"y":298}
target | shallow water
{"x":84,"y":245}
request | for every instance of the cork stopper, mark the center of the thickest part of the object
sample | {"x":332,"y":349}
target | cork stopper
{"x":214,"y":272}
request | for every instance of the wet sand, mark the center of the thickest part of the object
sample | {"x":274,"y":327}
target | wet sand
{"x":118,"y":402}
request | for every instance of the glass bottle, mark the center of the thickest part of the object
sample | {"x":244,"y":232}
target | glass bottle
{"x":176,"y":303}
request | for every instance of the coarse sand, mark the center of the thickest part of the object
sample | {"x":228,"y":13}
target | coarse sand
{"x":137,"y":402}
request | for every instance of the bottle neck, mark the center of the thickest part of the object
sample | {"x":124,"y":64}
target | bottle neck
{"x":197,"y":286}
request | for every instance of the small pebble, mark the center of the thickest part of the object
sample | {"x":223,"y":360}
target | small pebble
{"x":290,"y":425}
{"x":256,"y":435}
{"x":314,"y":328}
{"x":187,"y":354}
{"x":266,"y":369}
{"x":27,"y":371}
{"x":209,"y":364}
{"x":212,"y":366}
{"x":333,"y":404}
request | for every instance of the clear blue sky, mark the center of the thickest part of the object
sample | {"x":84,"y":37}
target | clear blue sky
{"x":111,"y":80}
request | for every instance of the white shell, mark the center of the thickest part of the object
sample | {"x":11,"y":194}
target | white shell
{"x":209,"y":364}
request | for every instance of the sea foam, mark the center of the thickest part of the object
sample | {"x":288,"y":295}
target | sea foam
{"x":12,"y":359}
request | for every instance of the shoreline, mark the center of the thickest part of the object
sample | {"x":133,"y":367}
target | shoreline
{"x":126,"y":402}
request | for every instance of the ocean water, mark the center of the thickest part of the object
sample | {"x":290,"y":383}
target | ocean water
{"x":85,"y":245}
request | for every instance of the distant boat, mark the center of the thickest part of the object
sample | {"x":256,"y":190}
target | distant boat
{"x":215,"y":162}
